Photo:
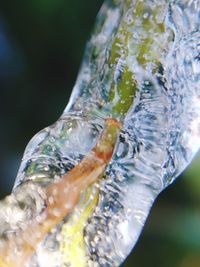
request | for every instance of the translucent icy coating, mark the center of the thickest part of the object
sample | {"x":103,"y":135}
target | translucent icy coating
{"x":141,"y":66}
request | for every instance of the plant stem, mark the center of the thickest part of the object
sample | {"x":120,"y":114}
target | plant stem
{"x":61,"y":199}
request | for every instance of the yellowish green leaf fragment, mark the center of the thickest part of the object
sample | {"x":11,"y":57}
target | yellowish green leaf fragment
{"x":141,"y":21}
{"x":72,"y":244}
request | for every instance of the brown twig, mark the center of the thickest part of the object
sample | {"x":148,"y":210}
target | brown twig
{"x":61,"y":198}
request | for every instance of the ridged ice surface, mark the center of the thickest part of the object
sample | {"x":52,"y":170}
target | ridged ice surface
{"x":151,"y":50}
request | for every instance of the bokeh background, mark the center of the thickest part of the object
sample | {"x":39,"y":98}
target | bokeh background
{"x":41,"y":46}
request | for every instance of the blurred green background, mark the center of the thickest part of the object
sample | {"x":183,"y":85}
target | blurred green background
{"x":41,"y":46}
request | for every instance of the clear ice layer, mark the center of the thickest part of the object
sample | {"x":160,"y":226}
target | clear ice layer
{"x":144,"y":56}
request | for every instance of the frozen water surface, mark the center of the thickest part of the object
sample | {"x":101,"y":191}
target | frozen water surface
{"x":141,"y":66}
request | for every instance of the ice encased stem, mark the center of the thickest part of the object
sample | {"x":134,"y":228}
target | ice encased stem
{"x":141,"y":66}
{"x":156,"y":48}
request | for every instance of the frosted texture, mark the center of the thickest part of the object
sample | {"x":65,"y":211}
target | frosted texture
{"x":144,"y":56}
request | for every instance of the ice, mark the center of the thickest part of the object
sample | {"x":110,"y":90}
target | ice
{"x":142,"y":67}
